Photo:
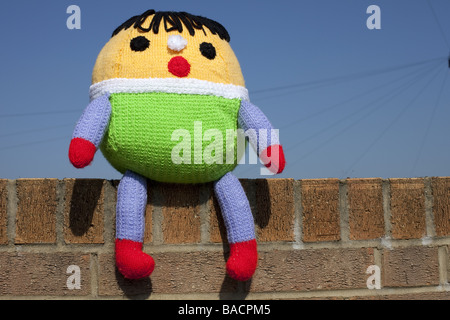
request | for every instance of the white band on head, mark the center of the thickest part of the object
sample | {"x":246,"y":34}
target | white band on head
{"x":176,"y":42}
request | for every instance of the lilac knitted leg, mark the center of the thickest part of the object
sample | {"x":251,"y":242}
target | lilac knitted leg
{"x":235,"y":208}
{"x":130,"y":210}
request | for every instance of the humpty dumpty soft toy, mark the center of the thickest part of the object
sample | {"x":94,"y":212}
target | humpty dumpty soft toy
{"x":163,"y":78}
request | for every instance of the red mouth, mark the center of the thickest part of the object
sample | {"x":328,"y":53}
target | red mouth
{"x":179,"y":66}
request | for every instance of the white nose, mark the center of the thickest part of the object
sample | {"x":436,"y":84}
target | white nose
{"x":176,"y":43}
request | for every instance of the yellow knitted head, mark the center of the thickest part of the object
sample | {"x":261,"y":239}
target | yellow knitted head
{"x":169,"y":45}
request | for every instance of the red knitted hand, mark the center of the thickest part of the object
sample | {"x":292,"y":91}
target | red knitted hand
{"x":273,"y":158}
{"x":81,"y":152}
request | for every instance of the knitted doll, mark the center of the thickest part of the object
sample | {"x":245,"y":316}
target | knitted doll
{"x":162,"y":72}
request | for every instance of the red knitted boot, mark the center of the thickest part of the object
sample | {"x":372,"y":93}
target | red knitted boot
{"x":243,"y":260}
{"x":131,"y":261}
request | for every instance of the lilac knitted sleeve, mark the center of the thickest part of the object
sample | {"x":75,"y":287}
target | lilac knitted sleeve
{"x":93,"y":122}
{"x":257,"y":127}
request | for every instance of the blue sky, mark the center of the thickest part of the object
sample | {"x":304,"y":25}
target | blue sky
{"x":348,"y":101}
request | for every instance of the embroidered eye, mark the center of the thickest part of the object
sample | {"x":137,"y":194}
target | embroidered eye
{"x":208,"y":50}
{"x":139,"y":43}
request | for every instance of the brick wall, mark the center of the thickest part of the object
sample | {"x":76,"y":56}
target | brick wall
{"x":326,"y":239}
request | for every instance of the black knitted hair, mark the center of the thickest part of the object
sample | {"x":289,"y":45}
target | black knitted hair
{"x":174,"y":21}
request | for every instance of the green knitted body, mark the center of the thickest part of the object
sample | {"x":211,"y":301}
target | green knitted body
{"x":139,"y":137}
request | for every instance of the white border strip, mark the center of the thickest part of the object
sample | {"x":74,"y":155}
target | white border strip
{"x":168,"y":85}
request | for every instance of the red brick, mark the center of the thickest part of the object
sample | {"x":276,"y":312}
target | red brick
{"x":365,"y":203}
{"x":272,"y":204}
{"x":274,"y":216}
{"x":84,"y":210}
{"x":441,"y":205}
{"x":320,"y":203}
{"x":3,"y":211}
{"x":36,"y":211}
{"x":408,"y":208}
{"x":42,"y":274}
{"x":439,"y":295}
{"x":112,"y":283}
{"x":312,"y":269}
{"x":410,"y":267}
{"x":181,"y":213}
{"x":175,"y":273}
